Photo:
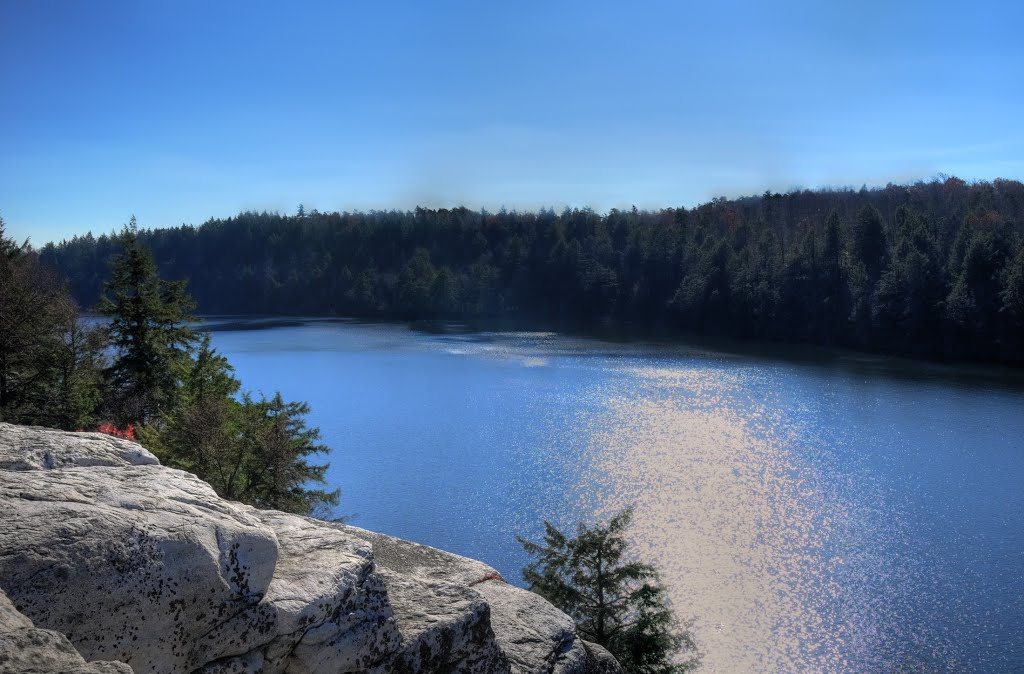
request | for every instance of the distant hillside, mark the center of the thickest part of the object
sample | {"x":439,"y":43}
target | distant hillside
{"x":931,"y":269}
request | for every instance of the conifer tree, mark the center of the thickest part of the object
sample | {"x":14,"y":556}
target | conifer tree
{"x":249,"y":450}
{"x":867,"y":258}
{"x":908,"y":294}
{"x":1013,"y":299}
{"x":833,"y":308}
{"x":616,"y":601}
{"x":149,"y":330}
{"x":275,"y":442}
{"x":42,"y":368}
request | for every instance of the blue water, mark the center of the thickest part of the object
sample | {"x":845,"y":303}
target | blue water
{"x":810,"y":511}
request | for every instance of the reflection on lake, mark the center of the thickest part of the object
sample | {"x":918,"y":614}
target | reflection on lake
{"x":819,"y":512}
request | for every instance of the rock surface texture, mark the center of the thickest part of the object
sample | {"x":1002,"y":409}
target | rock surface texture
{"x":25,"y":648}
{"x":110,"y":560}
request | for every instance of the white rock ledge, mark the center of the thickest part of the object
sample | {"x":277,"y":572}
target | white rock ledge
{"x":105,"y":551}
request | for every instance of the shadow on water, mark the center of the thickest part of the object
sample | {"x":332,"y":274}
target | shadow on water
{"x":832,"y":359}
{"x":235,"y":323}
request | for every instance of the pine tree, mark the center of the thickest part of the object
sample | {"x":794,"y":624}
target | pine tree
{"x":616,"y":602}
{"x":199,"y":432}
{"x":274,"y":442}
{"x":43,"y":378}
{"x":149,"y":330}
{"x":974,"y":300}
{"x":1013,"y":300}
{"x":248,"y":450}
{"x":910,"y":290}
{"x":833,"y":308}
{"x":867,"y":258}
{"x":799,"y":288}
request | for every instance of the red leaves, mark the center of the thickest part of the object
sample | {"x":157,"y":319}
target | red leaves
{"x":127,"y":433}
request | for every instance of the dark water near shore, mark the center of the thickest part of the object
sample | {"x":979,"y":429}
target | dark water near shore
{"x":811,"y":511}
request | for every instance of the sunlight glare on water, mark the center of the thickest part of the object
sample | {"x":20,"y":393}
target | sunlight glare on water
{"x":733,"y":523}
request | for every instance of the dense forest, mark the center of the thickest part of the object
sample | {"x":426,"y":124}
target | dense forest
{"x":932,"y":269}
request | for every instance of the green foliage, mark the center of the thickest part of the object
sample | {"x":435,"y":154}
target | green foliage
{"x":415,"y":283}
{"x":616,"y":601}
{"x":197,"y":431}
{"x":1013,"y":298}
{"x":250,"y":450}
{"x":77,"y":397}
{"x":798,"y":294}
{"x":55,"y":372}
{"x":275,"y":443}
{"x":868,"y":243}
{"x":184,"y":394}
{"x":149,"y":329}
{"x":908,"y":297}
{"x":831,"y":301}
{"x":49,"y":372}
{"x":974,"y":301}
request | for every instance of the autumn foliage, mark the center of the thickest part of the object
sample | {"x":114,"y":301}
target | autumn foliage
{"x":126,"y":433}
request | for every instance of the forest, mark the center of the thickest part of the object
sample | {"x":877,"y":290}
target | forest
{"x":930,"y":269}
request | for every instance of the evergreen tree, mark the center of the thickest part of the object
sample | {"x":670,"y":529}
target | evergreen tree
{"x":910,"y":290}
{"x":150,"y":332}
{"x":868,"y":243}
{"x":703,"y":299}
{"x":975,"y":298}
{"x":616,"y":602}
{"x":1013,"y":301}
{"x":834,"y":292}
{"x":415,"y":283}
{"x":799,"y":289}
{"x":42,"y":366}
{"x":199,"y":432}
{"x":274,"y":442}
{"x":248,"y":450}
{"x":867,"y":257}
{"x":444,"y":293}
{"x":77,"y":394}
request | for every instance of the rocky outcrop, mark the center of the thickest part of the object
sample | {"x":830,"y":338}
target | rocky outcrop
{"x":508,"y":623}
{"x":126,"y":560}
{"x":25,"y":648}
{"x":30,"y":448}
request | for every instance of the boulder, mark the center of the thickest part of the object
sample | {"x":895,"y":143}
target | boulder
{"x":114,"y":555}
{"x":28,"y":650}
{"x":141,"y":564}
{"x":532,"y":635}
{"x":332,"y":610}
{"x":34,"y":448}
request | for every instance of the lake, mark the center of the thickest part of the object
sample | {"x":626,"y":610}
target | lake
{"x":810,"y":510}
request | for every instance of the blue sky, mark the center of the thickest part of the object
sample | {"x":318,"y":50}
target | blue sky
{"x":181,"y":111}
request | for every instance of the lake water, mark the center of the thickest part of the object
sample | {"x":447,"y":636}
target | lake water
{"x":816,"y":511}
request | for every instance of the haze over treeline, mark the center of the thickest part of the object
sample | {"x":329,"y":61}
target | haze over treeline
{"x":933,"y":269}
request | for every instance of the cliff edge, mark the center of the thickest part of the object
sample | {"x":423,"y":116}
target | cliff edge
{"x":107,"y":557}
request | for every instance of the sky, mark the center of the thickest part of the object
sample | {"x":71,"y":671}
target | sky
{"x":177,"y":112}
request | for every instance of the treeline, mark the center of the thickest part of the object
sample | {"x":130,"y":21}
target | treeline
{"x":931,"y":269}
